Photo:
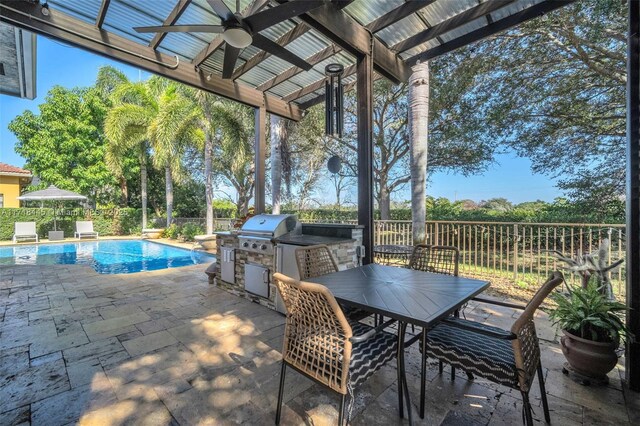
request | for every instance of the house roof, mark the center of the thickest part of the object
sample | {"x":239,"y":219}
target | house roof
{"x":404,"y":33}
{"x":9,"y":170}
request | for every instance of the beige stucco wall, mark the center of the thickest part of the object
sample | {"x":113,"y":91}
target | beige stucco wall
{"x":10,"y":188}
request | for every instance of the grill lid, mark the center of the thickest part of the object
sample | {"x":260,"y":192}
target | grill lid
{"x":269,"y":225}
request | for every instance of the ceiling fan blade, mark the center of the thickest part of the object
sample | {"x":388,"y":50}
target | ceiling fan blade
{"x":181,"y":28}
{"x":222,"y":10}
{"x":230,"y":57}
{"x":282,"y":12}
{"x":262,"y":42}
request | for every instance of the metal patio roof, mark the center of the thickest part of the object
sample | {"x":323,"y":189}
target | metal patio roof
{"x":405,"y":32}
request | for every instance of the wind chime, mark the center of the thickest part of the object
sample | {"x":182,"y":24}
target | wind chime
{"x":334,"y":100}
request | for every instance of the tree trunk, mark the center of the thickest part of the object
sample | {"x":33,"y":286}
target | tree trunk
{"x":278,"y":136}
{"x":124,"y":192}
{"x":143,"y":186}
{"x":384,"y":202}
{"x":169,"y":194}
{"x":419,"y":144}
{"x":208,"y":179}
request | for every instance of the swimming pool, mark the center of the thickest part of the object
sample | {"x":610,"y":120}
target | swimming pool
{"x":106,"y":257}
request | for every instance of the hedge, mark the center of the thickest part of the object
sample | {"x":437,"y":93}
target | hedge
{"x":118,"y":221}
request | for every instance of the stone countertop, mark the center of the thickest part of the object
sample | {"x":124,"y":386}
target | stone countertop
{"x":227,"y":233}
{"x":310,"y":240}
{"x":333,"y":225}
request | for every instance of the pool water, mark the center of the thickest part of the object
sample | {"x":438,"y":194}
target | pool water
{"x":106,"y":257}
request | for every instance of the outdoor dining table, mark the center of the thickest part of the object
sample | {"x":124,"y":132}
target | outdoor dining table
{"x":406,"y":295}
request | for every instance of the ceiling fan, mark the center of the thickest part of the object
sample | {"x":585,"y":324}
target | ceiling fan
{"x":241,"y":31}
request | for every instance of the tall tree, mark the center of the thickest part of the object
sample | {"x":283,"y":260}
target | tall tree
{"x":279,"y":136}
{"x":418,"y":146}
{"x":64,"y":144}
{"x":557,"y":84}
{"x":146,"y":116}
{"x":233,"y":150}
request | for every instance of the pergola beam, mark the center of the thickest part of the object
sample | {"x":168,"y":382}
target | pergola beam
{"x":397,"y":14}
{"x":175,"y":14}
{"x":633,"y":196}
{"x":489,"y":30}
{"x":353,"y":37}
{"x":290,"y":72}
{"x":102,"y":13}
{"x":316,"y":86}
{"x":286,"y":38}
{"x":87,"y":36}
{"x":450,"y":24}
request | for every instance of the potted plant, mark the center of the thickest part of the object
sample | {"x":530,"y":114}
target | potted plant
{"x":589,"y":316}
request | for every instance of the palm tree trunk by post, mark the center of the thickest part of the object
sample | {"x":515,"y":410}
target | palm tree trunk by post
{"x":169,"y":194}
{"x":124,"y":192}
{"x":419,"y":144}
{"x":208,"y":179}
{"x":143,"y":187}
{"x":278,"y":135}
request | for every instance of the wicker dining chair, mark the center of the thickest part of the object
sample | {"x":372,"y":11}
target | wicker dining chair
{"x":438,"y":259}
{"x":509,"y":358}
{"x":322,"y":344}
{"x":317,"y":260}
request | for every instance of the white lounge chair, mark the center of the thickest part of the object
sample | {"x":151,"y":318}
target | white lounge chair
{"x":84,"y":228}
{"x":24,"y":231}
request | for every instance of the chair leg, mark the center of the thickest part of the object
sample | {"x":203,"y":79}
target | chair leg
{"x":543,"y":394}
{"x":440,"y":367}
{"x":281,"y":392}
{"x":341,"y":412}
{"x":469,"y":375}
{"x":526,"y":408}
{"x":453,"y":373}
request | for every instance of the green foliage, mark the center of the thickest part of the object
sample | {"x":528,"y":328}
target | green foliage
{"x":107,"y":222}
{"x":64,"y":145}
{"x":555,"y":87}
{"x":190,"y":230}
{"x":587,"y":313}
{"x":560,"y":211}
{"x":173,"y":231}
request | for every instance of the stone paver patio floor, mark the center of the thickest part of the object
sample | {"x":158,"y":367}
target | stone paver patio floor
{"x":165,"y":347}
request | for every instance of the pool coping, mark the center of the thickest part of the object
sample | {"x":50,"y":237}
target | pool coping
{"x":163,"y":241}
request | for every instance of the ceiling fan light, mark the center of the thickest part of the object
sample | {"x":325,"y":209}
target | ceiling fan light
{"x":237,"y":37}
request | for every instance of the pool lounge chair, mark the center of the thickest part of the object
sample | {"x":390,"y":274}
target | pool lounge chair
{"x":24,"y":231}
{"x":84,"y":228}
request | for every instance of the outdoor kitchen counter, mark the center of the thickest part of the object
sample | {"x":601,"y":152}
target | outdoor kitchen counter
{"x":311,"y":240}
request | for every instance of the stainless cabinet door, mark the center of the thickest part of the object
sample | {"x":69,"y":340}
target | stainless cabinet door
{"x":228,"y":265}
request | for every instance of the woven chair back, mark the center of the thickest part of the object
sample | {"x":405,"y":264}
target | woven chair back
{"x":526,"y":347}
{"x":316,"y":333}
{"x":438,"y":259}
{"x":314,"y":261}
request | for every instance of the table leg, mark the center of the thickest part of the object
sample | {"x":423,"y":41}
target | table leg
{"x":423,"y":375}
{"x":403,"y":387}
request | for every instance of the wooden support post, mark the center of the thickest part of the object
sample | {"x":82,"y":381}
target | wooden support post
{"x":260,"y":151}
{"x":633,"y":196}
{"x":365,"y":151}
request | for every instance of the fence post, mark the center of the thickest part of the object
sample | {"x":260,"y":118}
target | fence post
{"x":515,"y":252}
{"x":436,"y":230}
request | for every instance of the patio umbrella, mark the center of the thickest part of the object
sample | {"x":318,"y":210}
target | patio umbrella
{"x":52,"y":194}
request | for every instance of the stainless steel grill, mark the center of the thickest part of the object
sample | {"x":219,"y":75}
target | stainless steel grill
{"x":258,"y":233}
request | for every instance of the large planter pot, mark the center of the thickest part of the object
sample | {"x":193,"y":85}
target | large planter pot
{"x":589,"y":358}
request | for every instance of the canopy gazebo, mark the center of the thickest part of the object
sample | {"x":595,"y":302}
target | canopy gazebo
{"x":371,"y":39}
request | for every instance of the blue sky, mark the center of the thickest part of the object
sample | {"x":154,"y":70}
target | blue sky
{"x":58,"y":64}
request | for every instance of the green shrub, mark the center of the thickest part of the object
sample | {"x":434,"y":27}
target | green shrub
{"x":106,"y":222}
{"x":190,"y":230}
{"x":172,"y":231}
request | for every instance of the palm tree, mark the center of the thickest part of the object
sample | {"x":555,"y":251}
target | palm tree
{"x":234,"y":149}
{"x":278,"y":139}
{"x":151,"y":116}
{"x":206,"y":103}
{"x":419,"y":144}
